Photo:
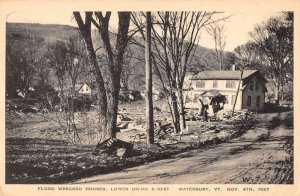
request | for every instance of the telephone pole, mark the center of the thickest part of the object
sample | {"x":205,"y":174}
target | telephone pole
{"x":148,"y":65}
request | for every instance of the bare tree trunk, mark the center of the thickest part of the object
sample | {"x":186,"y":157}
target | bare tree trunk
{"x":181,"y":111}
{"x":112,"y":112}
{"x":277,"y":93}
{"x":282,"y":93}
{"x":107,"y":94}
{"x":282,"y":88}
{"x":149,"y":102}
{"x":175,"y":111}
{"x":181,"y":104}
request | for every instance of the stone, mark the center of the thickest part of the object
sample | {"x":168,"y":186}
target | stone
{"x":114,"y":146}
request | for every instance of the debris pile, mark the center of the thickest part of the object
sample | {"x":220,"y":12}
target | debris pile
{"x":163,"y":131}
{"x":241,"y":115}
{"x":223,"y":114}
{"x":18,"y":106}
{"x":138,"y":136}
{"x":213,"y":132}
{"x":123,"y":117}
{"x":190,"y":115}
{"x":137,"y":132}
{"x":242,"y":119}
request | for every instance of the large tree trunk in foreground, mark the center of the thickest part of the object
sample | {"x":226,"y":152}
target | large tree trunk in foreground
{"x":107,"y":94}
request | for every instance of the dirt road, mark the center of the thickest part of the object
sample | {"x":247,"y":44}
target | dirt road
{"x":259,"y":156}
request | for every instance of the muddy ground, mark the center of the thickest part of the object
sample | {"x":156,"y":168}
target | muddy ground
{"x":39,"y":151}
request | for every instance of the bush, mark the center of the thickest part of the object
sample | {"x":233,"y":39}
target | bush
{"x":82,"y":102}
{"x":271,"y":108}
{"x":289,"y":120}
{"x":129,"y":96}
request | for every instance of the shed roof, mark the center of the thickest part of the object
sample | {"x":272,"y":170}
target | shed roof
{"x":79,"y":86}
{"x":223,"y":75}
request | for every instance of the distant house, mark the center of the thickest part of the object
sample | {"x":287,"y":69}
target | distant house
{"x":207,"y":84}
{"x":84,"y":89}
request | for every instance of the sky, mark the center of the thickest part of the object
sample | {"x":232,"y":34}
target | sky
{"x":237,"y":26}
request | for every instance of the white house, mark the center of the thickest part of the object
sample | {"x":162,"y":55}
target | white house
{"x":251,"y":94}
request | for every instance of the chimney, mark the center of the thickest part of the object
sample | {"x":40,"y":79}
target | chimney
{"x":233,"y":68}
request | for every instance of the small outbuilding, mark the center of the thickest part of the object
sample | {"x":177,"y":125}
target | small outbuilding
{"x":83,"y":89}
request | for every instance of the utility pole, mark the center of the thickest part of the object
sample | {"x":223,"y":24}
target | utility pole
{"x":237,"y":91}
{"x":148,"y":65}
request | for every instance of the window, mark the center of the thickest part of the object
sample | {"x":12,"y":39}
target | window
{"x":256,"y":86}
{"x":257,"y":101}
{"x":233,"y":84}
{"x":249,"y":101}
{"x":251,"y":85}
{"x":200,"y":84}
{"x":215,"y":83}
{"x":230,"y":84}
{"x":232,"y":99}
{"x":87,"y":89}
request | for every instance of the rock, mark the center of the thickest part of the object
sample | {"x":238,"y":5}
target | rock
{"x":114,"y":146}
{"x":138,"y":137}
{"x":163,"y":130}
{"x":123,"y":125}
{"x":194,"y":136}
{"x":212,"y":127}
{"x":121,"y":152}
{"x":121,"y":118}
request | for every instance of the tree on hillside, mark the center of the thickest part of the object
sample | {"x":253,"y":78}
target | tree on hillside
{"x":247,"y":54}
{"x":69,"y":61}
{"x":274,"y":45}
{"x":205,"y":59}
{"x":229,"y":60}
{"x":42,"y":78}
{"x":133,"y":71}
{"x":174,"y":36}
{"x":218,"y":34}
{"x":23,"y":58}
{"x":109,"y":84}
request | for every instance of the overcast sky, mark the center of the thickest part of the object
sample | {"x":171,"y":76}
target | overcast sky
{"x":237,"y":26}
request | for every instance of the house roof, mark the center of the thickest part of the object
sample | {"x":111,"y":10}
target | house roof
{"x":226,"y":75}
{"x":68,"y":88}
{"x":223,"y":75}
{"x":78,"y":86}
